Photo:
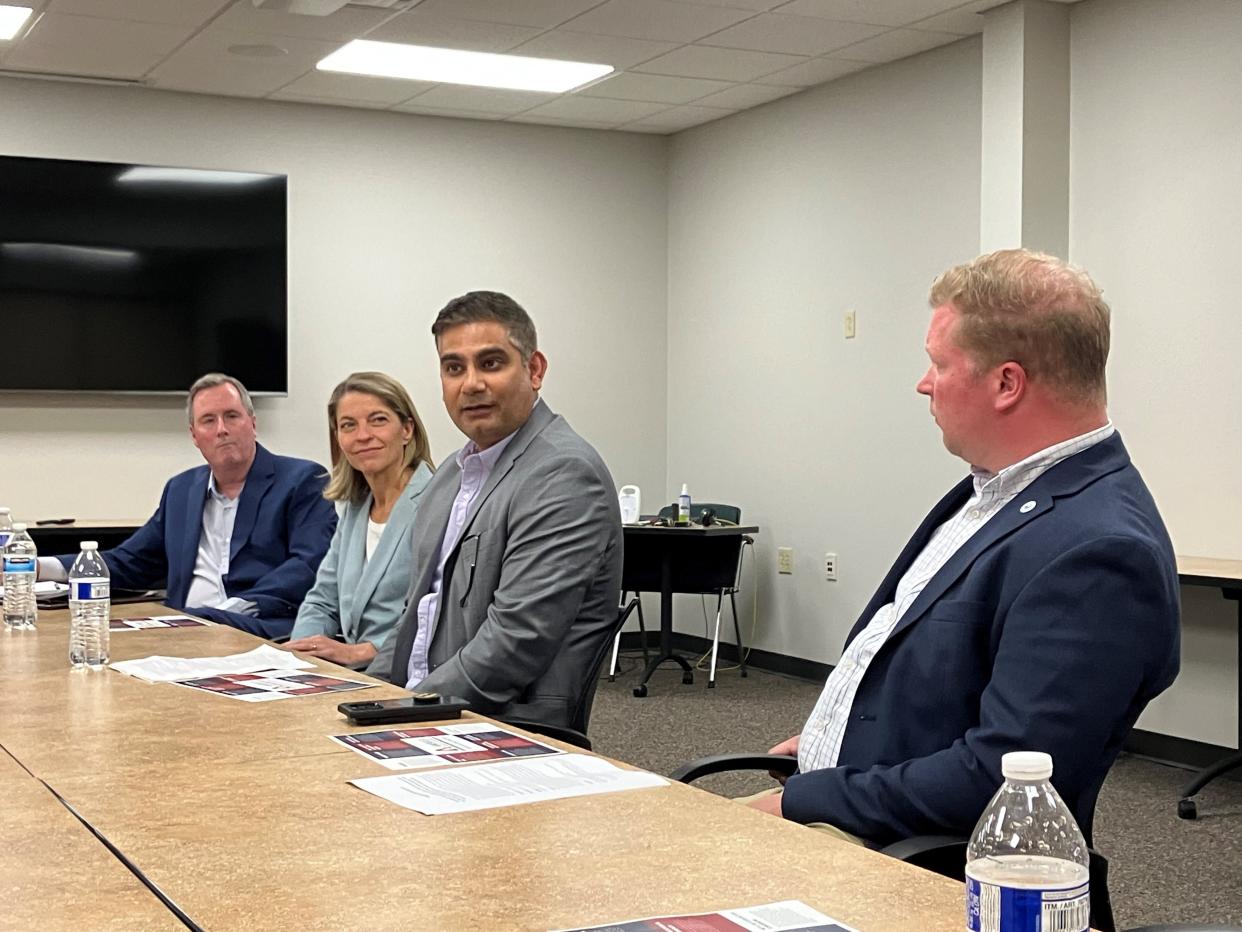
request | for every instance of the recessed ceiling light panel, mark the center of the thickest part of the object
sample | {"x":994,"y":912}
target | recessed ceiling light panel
{"x":453,"y":66}
{"x":12,"y":18}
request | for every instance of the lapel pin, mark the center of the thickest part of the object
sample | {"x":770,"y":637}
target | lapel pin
{"x":1027,"y":506}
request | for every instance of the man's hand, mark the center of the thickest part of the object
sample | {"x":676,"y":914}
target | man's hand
{"x":347,"y":655}
{"x":790,"y":748}
{"x":770,"y":804}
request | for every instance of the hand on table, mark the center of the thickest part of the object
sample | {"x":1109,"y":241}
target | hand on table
{"x":347,"y":655}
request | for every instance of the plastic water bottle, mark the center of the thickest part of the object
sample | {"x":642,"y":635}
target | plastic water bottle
{"x":1027,"y":867}
{"x":20,"y":611}
{"x":683,"y":506}
{"x":89,"y":608}
{"x":6,"y":527}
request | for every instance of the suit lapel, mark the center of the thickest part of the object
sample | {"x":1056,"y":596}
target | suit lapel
{"x":539,"y":418}
{"x":258,"y":481}
{"x":393,"y":538}
{"x":192,"y":523}
{"x":1066,"y":478}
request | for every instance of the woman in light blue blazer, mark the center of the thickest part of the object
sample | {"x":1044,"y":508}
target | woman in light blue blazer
{"x":381,"y":461}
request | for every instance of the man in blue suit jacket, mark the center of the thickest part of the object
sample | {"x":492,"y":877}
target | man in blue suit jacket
{"x":1035,"y":608}
{"x":238,"y":540}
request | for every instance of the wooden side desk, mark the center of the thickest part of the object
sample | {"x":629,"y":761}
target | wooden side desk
{"x":1225,"y":575}
{"x":241,"y":815}
{"x":678,"y":559}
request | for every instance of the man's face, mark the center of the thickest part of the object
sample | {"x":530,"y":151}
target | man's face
{"x":959,"y":397}
{"x":488,"y":390}
{"x":222,"y":429}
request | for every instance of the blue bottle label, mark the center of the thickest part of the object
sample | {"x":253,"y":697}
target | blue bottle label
{"x":5,"y":537}
{"x":19,"y":564}
{"x":994,"y":908}
{"x":87,"y":589}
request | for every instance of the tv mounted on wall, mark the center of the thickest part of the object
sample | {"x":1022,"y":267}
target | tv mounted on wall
{"x":137,"y":278}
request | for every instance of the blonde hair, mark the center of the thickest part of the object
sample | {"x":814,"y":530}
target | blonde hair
{"x":1036,"y":310}
{"x":345,"y":482}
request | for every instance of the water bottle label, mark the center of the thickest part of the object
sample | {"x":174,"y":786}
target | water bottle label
{"x":994,"y":908}
{"x":5,"y":537}
{"x":88,"y":589}
{"x":19,"y":564}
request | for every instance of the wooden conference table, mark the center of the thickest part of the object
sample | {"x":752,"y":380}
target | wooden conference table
{"x":240,"y":814}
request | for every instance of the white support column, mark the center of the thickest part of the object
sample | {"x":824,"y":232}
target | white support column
{"x":1024,"y":197}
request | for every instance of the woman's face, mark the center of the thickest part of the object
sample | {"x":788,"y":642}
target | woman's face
{"x":370,"y":433}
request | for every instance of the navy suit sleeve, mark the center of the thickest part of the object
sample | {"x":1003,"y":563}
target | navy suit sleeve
{"x":141,"y":562}
{"x":1082,"y":647}
{"x":310,"y":520}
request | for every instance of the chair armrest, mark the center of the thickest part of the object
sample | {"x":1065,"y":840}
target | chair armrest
{"x":941,"y":854}
{"x":723,"y":763}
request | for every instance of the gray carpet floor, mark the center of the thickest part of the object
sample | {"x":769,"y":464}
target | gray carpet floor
{"x":1162,"y":869}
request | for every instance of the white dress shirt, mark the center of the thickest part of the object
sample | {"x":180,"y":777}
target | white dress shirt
{"x":375,"y":530}
{"x":211,"y":564}
{"x":820,"y":743}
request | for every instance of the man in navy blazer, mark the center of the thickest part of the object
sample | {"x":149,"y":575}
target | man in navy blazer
{"x":238,"y":540}
{"x":1036,"y":606}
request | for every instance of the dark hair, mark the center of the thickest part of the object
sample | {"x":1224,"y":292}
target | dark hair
{"x":481,"y":306}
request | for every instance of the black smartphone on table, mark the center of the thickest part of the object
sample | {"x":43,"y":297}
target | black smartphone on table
{"x":425,"y":707}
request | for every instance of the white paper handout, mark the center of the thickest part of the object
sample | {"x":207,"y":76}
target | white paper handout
{"x":45,"y":589}
{"x":158,"y":669}
{"x":506,"y":783}
{"x":417,"y":747}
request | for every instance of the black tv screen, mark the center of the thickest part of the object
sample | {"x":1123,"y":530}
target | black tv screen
{"x":135,"y":278}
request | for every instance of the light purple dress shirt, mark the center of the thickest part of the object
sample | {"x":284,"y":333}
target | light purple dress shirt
{"x":476,"y":465}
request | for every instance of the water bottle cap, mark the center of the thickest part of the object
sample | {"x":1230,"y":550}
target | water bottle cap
{"x":1026,"y":765}
{"x":89,"y":545}
{"x":19,"y":527}
{"x":5,"y":510}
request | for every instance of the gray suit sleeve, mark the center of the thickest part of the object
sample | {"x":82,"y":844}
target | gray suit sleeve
{"x":559,"y":526}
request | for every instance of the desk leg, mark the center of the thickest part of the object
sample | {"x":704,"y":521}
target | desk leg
{"x":1186,"y":807}
{"x":666,"y":633}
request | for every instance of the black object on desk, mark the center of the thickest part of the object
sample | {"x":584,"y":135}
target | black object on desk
{"x":1223,"y":575}
{"x":52,"y":539}
{"x":678,"y":559}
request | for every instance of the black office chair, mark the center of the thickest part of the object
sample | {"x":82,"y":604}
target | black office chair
{"x":941,"y":854}
{"x":1187,"y":808}
{"x":629,"y":604}
{"x":723,"y":514}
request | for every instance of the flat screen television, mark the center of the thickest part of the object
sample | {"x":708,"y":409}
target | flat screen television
{"x":137,"y":278}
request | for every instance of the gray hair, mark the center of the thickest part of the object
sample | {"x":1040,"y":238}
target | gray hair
{"x":215,"y":380}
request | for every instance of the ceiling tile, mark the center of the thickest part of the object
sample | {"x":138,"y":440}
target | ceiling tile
{"x":348,"y":23}
{"x":418,"y":28}
{"x":654,"y":87}
{"x":181,"y":13}
{"x":815,"y":71}
{"x":204,"y":64}
{"x":679,"y":118}
{"x":597,"y":109}
{"x":964,"y":20}
{"x":796,"y":35}
{"x":701,"y":61}
{"x":895,"y":44}
{"x":618,"y":51}
{"x":555,"y":121}
{"x":742,"y":96}
{"x":755,"y":6}
{"x":328,"y":101}
{"x":541,"y":13}
{"x":663,"y":20}
{"x":412,"y":107}
{"x":85,"y":45}
{"x":886,"y":13}
{"x":487,"y":99}
{"x":333,"y":85}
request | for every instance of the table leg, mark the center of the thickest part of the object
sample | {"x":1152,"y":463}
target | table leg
{"x":666,"y":632}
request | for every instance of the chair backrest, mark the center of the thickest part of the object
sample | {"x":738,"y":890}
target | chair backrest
{"x":582,"y":714}
{"x":730,"y":513}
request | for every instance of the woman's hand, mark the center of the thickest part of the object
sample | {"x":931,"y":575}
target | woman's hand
{"x":347,"y":655}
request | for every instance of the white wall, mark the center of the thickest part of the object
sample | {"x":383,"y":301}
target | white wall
{"x":390,"y":215}
{"x":1155,"y":193}
{"x":853,"y":195}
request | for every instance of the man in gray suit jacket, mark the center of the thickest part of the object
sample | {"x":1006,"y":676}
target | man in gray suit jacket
{"x":517,"y":546}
